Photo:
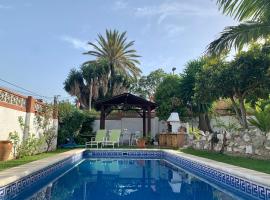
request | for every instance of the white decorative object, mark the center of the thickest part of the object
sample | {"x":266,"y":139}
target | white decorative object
{"x":174,"y":122}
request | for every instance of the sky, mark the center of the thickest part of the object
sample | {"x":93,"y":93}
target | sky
{"x":42,"y":40}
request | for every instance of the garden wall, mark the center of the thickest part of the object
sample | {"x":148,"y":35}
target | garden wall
{"x":13,"y":106}
{"x":133,"y":124}
{"x":251,"y":143}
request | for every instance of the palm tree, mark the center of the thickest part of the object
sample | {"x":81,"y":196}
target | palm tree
{"x":117,"y":51}
{"x":74,"y":85}
{"x":254,"y":18}
{"x":96,"y":75}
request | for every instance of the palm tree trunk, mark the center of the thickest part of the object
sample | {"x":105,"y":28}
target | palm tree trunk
{"x":204,"y":122}
{"x":90,"y":94}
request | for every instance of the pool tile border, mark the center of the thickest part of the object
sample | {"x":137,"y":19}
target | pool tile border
{"x":13,"y":189}
{"x":252,"y":185}
{"x":245,"y":186}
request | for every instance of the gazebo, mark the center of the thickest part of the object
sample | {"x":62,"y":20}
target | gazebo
{"x":127,"y":101}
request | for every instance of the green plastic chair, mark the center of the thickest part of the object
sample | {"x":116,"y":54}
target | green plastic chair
{"x":99,"y":139}
{"x":114,"y":138}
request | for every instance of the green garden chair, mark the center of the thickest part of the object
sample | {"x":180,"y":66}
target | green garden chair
{"x":113,"y":139}
{"x":99,"y":139}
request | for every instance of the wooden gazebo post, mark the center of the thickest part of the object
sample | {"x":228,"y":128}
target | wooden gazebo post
{"x":144,"y":124}
{"x":149,"y":121}
{"x":102,"y":117}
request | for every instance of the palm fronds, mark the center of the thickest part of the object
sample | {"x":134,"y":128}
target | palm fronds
{"x":245,"y":9}
{"x":238,"y":36}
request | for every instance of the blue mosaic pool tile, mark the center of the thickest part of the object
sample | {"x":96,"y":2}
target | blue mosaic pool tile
{"x":239,"y":184}
{"x":14,"y":189}
{"x":124,"y":154}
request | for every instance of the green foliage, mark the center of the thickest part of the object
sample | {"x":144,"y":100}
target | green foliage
{"x":239,"y":79}
{"x":74,"y":123}
{"x":261,"y":117}
{"x":229,"y":126}
{"x":45,"y":125}
{"x":146,"y":85}
{"x":15,"y":139}
{"x":254,"y":16}
{"x":29,"y":146}
{"x":168,"y":98}
{"x":114,"y":48}
{"x":195,"y":132}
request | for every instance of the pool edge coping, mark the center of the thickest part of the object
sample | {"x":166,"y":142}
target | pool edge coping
{"x":13,"y":174}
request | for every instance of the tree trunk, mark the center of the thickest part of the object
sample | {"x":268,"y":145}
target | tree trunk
{"x":243,"y":112}
{"x":204,"y":122}
{"x":236,"y":110}
{"x":90,"y":94}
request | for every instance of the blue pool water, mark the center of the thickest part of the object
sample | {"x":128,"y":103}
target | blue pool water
{"x":112,"y":179}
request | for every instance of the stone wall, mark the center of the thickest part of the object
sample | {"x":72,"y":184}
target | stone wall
{"x":252,"y":143}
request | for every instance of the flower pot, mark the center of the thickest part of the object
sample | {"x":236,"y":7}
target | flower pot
{"x":141,"y":143}
{"x":5,"y":149}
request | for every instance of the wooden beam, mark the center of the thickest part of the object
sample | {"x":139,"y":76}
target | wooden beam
{"x":102,"y":118}
{"x":149,"y":121}
{"x":144,"y":124}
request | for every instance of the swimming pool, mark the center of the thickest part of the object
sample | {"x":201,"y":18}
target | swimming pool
{"x":139,"y":174}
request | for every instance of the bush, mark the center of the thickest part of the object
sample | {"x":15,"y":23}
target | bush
{"x":261,"y":118}
{"x":74,"y":124}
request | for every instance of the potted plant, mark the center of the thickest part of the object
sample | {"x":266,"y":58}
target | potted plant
{"x":5,"y":149}
{"x":141,"y":142}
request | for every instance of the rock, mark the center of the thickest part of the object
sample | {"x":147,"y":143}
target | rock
{"x":267,"y":144}
{"x":228,"y":136}
{"x":209,"y":138}
{"x":198,"y":145}
{"x":268,"y":136}
{"x":246,"y":138}
{"x":258,"y":152}
{"x":229,"y":149}
{"x":258,"y":141}
{"x":242,"y":147}
{"x":249,"y":149}
{"x":220,"y":137}
{"x":203,"y":138}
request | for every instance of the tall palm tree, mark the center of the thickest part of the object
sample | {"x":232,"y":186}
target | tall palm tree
{"x":122,"y":59}
{"x":254,"y":18}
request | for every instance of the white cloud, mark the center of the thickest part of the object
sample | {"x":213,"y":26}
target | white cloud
{"x":76,"y":42}
{"x":120,"y":4}
{"x":173,"y":9}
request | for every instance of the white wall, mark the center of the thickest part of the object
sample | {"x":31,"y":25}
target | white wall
{"x":132,"y":124}
{"x":9,"y":122}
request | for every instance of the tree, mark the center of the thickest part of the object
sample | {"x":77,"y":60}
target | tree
{"x":117,"y":51}
{"x":74,"y":85}
{"x":96,"y":75}
{"x":91,"y":83}
{"x":168,"y":98}
{"x":254,"y":18}
{"x":45,"y":124}
{"x":187,"y":93}
{"x":146,"y":86}
{"x":237,"y":80}
{"x":73,"y":123}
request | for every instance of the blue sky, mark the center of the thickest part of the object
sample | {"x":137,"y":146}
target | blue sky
{"x":41,"y":40}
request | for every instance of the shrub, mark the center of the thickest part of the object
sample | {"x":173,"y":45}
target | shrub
{"x":261,"y":118}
